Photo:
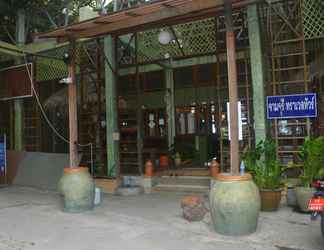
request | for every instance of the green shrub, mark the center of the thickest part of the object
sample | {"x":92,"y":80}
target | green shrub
{"x":312,"y":155}
{"x":263,"y":164}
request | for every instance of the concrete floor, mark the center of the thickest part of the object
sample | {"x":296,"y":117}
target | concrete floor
{"x":32,"y":220}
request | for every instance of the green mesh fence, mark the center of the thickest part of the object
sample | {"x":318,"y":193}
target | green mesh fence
{"x":194,"y":38}
{"x":313,"y":15}
{"x":50,"y":64}
{"x":189,"y":39}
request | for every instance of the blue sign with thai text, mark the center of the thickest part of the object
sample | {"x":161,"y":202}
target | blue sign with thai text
{"x":292,"y":106}
{"x":3,"y":160}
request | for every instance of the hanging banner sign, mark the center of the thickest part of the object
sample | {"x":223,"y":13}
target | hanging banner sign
{"x":240,"y":123}
{"x":3,"y":156}
{"x":292,"y":106}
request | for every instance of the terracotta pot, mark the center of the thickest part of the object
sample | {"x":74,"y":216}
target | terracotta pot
{"x":149,"y":168}
{"x":214,"y":169}
{"x":270,"y":199}
{"x":164,"y":161}
{"x":234,"y":205}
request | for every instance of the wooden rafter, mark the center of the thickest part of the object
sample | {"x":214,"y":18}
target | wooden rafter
{"x":151,"y":15}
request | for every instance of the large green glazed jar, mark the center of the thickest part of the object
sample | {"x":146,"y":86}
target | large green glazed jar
{"x":234,"y":205}
{"x":78,"y":190}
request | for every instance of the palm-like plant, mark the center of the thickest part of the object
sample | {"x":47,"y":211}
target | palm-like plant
{"x":263,"y":164}
{"x":312,"y":155}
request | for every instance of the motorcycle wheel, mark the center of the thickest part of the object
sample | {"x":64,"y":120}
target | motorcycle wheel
{"x":322,"y":224}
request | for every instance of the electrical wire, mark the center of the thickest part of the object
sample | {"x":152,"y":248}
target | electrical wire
{"x":49,"y":123}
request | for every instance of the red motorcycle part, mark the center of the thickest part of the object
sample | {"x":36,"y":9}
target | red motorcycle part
{"x":316,"y":205}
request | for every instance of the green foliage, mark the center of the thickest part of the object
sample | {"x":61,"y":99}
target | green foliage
{"x":263,"y":164}
{"x":41,"y":14}
{"x":312,"y":155}
{"x":186,"y":150}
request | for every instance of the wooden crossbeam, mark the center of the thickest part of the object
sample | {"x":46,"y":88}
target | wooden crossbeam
{"x":152,"y":15}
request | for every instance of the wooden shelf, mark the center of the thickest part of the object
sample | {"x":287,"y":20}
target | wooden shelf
{"x":288,"y":151}
{"x":291,"y":138}
{"x":128,"y":163}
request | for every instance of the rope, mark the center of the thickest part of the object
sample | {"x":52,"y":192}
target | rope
{"x":49,"y":123}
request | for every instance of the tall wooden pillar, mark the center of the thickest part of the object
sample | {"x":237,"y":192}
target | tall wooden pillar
{"x":73,"y":108}
{"x":232,"y":86}
{"x":111,"y":108}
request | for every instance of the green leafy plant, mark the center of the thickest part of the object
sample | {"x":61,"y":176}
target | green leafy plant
{"x":263,"y":164}
{"x":312,"y":155}
{"x":186,"y":150}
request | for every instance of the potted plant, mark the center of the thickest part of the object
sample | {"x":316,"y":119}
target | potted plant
{"x":312,"y":156}
{"x":263,"y":164}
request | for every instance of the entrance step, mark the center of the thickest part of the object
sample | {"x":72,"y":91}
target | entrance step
{"x":183,"y":184}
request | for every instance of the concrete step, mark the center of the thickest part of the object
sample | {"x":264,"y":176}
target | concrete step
{"x":185,"y":180}
{"x":200,"y":184}
{"x":180,"y":188}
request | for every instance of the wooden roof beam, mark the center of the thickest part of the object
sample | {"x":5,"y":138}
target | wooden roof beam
{"x":132,"y":14}
{"x":164,"y":14}
{"x":153,"y":15}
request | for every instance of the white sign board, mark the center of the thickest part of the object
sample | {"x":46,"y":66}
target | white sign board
{"x":240,"y":124}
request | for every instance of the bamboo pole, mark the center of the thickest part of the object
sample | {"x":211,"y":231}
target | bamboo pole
{"x":232,"y":86}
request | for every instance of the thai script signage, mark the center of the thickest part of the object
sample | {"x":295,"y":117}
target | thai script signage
{"x":3,"y":156}
{"x":292,"y":106}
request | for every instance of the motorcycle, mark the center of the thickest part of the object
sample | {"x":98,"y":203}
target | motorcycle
{"x":316,"y":204}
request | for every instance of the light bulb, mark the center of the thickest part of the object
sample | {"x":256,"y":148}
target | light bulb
{"x":164,"y":37}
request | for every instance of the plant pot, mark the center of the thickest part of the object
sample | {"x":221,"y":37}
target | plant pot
{"x":291,"y":197}
{"x":178,"y":160}
{"x":164,"y":161}
{"x":270,"y":199}
{"x":214,"y":169}
{"x":303,"y":195}
{"x":78,"y":189}
{"x":234,"y":205}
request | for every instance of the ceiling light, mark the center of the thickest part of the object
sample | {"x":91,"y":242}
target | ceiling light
{"x":164,"y":37}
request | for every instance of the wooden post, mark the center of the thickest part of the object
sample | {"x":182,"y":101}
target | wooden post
{"x":73,"y":115}
{"x":232,"y":87}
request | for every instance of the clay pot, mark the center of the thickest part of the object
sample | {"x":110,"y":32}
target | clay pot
{"x":291,"y":197}
{"x":303,"y":195}
{"x":214,"y":169}
{"x":149,"y":168}
{"x":164,"y":161}
{"x":193,"y":208}
{"x":78,"y":189}
{"x":234,"y":205}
